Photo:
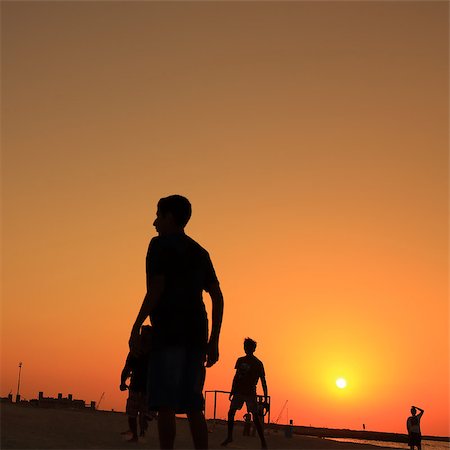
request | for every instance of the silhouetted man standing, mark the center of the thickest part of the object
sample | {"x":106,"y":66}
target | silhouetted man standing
{"x":413,"y":426}
{"x":249,"y":369}
{"x":178,"y":270}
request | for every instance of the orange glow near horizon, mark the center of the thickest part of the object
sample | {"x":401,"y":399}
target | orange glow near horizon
{"x":314,"y":150}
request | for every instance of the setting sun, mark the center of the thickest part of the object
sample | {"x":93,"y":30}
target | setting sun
{"x":341,"y":383}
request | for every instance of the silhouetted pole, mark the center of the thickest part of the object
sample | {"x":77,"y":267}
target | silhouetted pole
{"x":18,"y":384}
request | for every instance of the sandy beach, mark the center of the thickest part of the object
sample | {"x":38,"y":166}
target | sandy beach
{"x":39,"y":428}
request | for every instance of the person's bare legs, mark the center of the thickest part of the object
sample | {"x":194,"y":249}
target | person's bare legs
{"x":259,"y":429}
{"x":229,"y":438}
{"x":166,"y":428}
{"x":143,"y":424}
{"x":132,"y":423}
{"x":199,"y":429}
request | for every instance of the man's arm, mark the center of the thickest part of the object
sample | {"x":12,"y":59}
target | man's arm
{"x":262,"y":376}
{"x":217,"y":315}
{"x":421,"y":412}
{"x":264,"y":386}
{"x":151,"y":300}
{"x":233,"y":386}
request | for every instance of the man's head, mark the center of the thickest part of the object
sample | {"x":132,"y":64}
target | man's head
{"x":172,"y":215}
{"x":249,"y":346}
{"x":413,"y":411}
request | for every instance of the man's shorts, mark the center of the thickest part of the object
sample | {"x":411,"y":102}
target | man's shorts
{"x":175,"y":379}
{"x":136,"y":403}
{"x":414,"y":439}
{"x":238,"y":401}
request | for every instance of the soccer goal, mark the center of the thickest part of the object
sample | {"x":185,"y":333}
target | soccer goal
{"x":217,"y":404}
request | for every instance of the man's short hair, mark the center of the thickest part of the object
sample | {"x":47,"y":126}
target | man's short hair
{"x":178,"y":206}
{"x":249,"y":344}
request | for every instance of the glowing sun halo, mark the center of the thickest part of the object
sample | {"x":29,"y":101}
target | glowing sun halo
{"x":341,"y":383}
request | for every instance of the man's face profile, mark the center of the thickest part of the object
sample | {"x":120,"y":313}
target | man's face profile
{"x":163,"y":223}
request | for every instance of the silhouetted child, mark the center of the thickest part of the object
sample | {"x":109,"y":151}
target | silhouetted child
{"x":247,"y":424}
{"x":249,"y":369}
{"x":263,"y":409}
{"x":413,"y":426}
{"x":136,"y":369}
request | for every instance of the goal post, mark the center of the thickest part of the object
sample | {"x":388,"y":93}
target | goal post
{"x":217,"y":404}
{"x":213,"y":397}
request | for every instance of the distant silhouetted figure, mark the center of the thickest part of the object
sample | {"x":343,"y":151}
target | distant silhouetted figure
{"x":413,"y":426}
{"x":249,"y":369}
{"x":178,"y":271}
{"x":247,"y":424}
{"x":136,"y":369}
{"x":289,"y":430}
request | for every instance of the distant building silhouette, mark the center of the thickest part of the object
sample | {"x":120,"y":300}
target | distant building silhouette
{"x":60,"y":402}
{"x":8,"y":399}
{"x":51,"y":402}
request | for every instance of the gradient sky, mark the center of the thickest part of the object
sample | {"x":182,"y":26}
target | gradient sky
{"x":312,"y":140}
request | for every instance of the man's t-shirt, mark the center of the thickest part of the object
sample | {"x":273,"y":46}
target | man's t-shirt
{"x":413,"y":424}
{"x":249,"y":369}
{"x":180,"y":317}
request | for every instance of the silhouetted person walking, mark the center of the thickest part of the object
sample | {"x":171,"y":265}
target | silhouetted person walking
{"x":178,"y":271}
{"x":413,"y":426}
{"x":136,"y":369}
{"x":249,"y":369}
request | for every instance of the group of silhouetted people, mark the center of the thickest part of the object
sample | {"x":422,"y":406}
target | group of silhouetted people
{"x":166,"y":362}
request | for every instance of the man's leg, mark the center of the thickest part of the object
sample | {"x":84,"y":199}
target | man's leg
{"x":166,"y":428}
{"x":253,"y":430}
{"x":260,"y":430}
{"x":142,"y":424}
{"x":132,"y":423}
{"x":231,"y":414}
{"x":199,"y":429}
{"x":143,"y":409}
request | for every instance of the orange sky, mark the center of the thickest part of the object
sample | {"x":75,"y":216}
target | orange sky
{"x":312,"y":141}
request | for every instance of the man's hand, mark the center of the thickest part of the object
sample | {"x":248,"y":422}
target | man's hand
{"x":212,"y":355}
{"x":123,"y":387}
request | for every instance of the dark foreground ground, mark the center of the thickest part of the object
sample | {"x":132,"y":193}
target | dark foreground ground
{"x":38,"y":428}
